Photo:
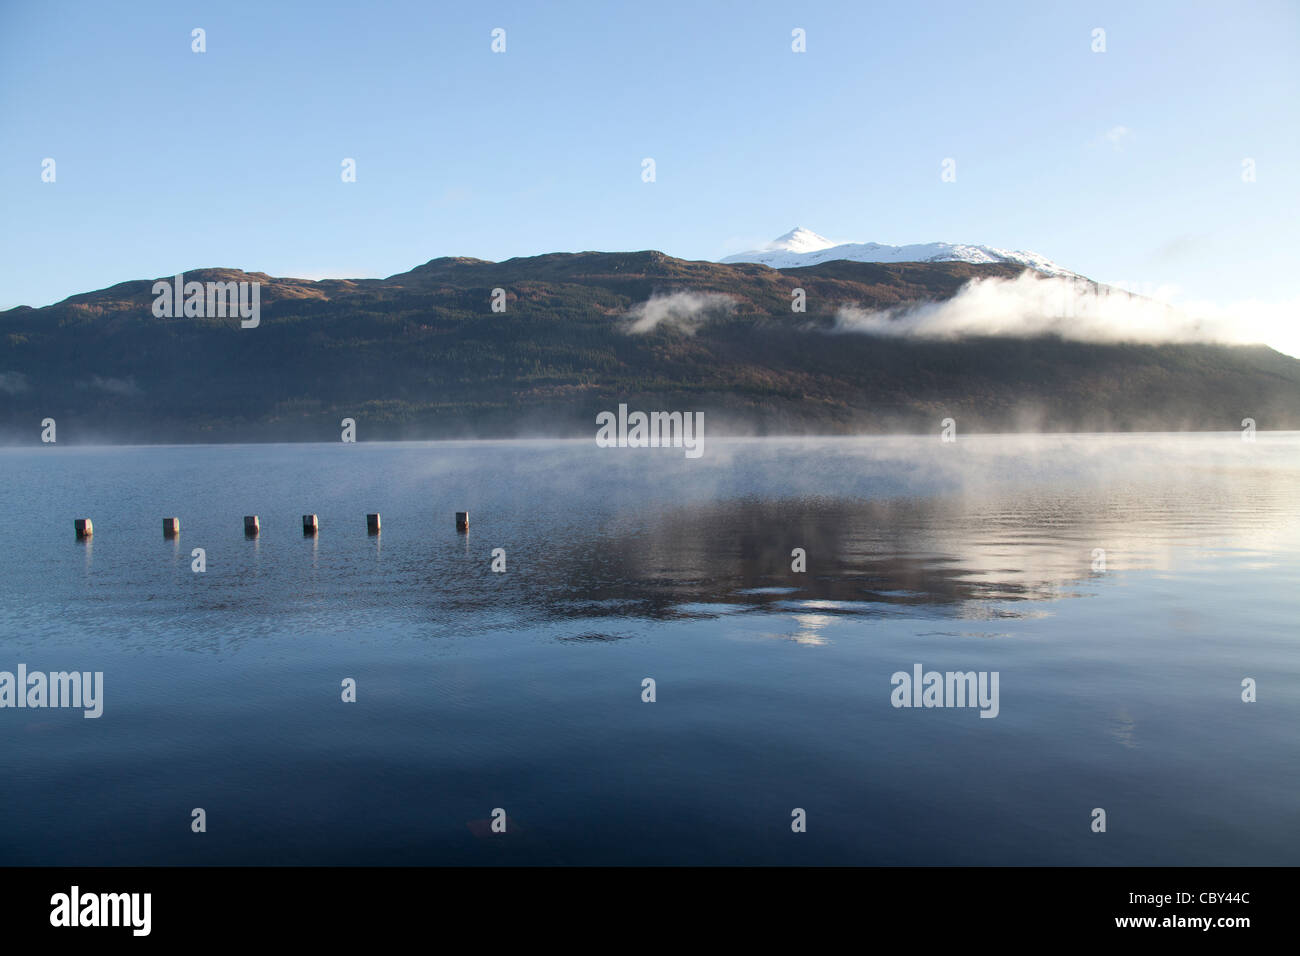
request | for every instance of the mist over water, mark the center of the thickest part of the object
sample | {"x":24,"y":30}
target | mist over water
{"x":1120,"y":687}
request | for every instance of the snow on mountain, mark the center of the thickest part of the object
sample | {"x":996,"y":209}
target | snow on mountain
{"x":803,"y":247}
{"x":800,"y":240}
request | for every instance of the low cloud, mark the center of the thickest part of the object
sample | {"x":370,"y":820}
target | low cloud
{"x":1081,"y":311}
{"x":683,"y":311}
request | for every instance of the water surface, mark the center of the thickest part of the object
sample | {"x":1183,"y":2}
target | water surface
{"x":1119,"y":688}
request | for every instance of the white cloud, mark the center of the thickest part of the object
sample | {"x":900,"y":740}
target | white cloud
{"x":1078,"y":310}
{"x":1117,"y":136}
{"x":684,"y":311}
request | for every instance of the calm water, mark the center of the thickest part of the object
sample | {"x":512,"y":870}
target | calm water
{"x":1119,"y":689}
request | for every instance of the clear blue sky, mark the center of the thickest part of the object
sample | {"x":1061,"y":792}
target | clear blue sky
{"x":169,"y":160}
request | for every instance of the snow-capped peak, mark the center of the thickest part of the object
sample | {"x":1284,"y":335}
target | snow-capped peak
{"x":803,"y":247}
{"x":799,"y":240}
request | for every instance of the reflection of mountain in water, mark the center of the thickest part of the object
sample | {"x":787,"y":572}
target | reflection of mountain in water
{"x":978,"y":552}
{"x":953,"y":556}
{"x":603,"y":540}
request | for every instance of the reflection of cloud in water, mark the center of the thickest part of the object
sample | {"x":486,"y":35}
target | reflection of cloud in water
{"x":1021,"y":526}
{"x":810,"y":627}
{"x":808,"y":630}
{"x":1122,"y":729}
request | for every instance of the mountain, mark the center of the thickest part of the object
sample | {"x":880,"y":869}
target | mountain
{"x":802,"y":247}
{"x":422,"y":354}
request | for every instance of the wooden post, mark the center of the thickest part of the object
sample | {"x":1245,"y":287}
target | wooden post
{"x":171,"y":527}
{"x":372,"y":524}
{"x":462,"y":520}
{"x":84,"y":527}
{"x":251,"y":526}
{"x":310,"y":524}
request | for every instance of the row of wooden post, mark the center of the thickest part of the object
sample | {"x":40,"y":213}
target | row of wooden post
{"x":253,"y":527}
